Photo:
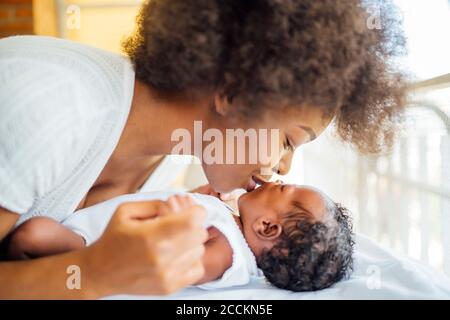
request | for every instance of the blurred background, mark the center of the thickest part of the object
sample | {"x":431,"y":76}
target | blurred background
{"x":401,"y":199}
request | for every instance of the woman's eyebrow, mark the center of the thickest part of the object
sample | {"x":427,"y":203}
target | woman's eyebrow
{"x":311,"y":133}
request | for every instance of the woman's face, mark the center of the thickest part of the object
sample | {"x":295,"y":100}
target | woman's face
{"x":294,"y":129}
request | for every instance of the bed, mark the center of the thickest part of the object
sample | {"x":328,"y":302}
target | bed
{"x":379,"y":274}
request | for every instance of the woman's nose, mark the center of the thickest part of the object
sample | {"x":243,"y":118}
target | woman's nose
{"x":281,"y":168}
{"x":284,"y":165}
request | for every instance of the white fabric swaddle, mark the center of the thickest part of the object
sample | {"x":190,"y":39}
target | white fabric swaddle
{"x":91,"y":222}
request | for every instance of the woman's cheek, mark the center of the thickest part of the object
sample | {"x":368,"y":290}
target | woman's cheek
{"x":220,"y":179}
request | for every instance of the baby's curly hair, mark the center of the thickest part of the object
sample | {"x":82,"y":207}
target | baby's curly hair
{"x":264,"y":55}
{"x":311,"y":255}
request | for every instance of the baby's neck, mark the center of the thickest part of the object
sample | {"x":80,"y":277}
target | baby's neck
{"x":238,"y":221}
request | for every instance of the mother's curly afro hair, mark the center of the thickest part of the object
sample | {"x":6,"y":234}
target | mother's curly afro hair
{"x":273,"y":54}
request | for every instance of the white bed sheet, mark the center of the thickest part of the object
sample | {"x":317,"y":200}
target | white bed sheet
{"x":379,"y":274}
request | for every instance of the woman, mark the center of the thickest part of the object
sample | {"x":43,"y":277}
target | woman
{"x":79,"y":125}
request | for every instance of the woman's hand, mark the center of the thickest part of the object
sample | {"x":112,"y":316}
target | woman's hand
{"x":152,"y":247}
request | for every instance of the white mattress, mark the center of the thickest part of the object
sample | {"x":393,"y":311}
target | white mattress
{"x":379,"y":274}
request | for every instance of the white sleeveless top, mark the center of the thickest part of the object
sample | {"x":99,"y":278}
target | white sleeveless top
{"x":63,"y":107}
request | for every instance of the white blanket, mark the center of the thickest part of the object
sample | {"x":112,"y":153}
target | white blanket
{"x":379,"y":274}
{"x":91,"y":222}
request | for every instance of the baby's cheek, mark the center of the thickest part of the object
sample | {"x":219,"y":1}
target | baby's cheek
{"x":255,"y":245}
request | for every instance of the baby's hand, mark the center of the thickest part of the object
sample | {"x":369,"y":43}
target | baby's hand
{"x":206,"y":189}
{"x":177,"y":203}
{"x":231,"y":198}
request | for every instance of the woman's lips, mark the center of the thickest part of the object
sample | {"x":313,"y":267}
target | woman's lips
{"x":253,"y":183}
{"x":258,"y":180}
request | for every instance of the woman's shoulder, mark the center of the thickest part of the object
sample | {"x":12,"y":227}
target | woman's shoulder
{"x":102,"y":77}
{"x":62,"y":110}
{"x":55,"y":85}
{"x":37,"y":47}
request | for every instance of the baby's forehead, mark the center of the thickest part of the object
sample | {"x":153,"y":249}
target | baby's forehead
{"x":312,"y":202}
{"x":311,"y":189}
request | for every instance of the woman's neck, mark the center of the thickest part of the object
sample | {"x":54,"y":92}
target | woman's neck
{"x":151,"y":121}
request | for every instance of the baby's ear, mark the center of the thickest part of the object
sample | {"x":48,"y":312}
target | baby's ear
{"x":267,"y":229}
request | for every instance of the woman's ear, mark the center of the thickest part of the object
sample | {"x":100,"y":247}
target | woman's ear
{"x":222,"y":105}
{"x":267,"y":229}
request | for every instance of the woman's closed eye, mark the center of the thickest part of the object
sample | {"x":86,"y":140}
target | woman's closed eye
{"x":288,"y":145}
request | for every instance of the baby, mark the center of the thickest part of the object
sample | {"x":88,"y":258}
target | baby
{"x":295,"y":235}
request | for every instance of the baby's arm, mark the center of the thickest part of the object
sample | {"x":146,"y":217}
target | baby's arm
{"x":218,"y":256}
{"x":40,"y":237}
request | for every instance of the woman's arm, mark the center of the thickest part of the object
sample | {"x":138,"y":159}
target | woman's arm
{"x":41,"y":278}
{"x":137,"y":254}
{"x":46,"y":278}
{"x":7,"y":221}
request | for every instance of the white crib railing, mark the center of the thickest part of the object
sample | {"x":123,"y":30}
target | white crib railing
{"x":402,"y":199}
{"x":408,"y":207}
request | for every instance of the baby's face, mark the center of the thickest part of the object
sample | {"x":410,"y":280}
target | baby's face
{"x":263,"y":210}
